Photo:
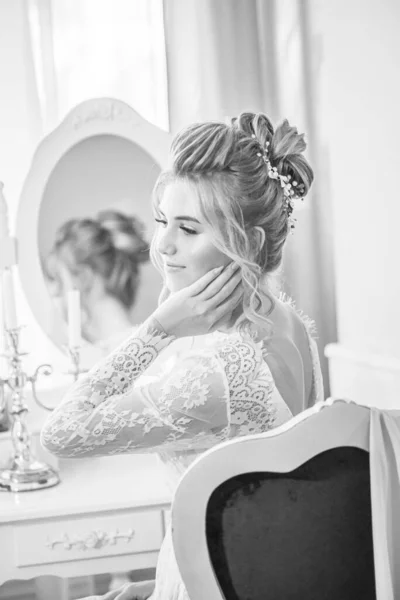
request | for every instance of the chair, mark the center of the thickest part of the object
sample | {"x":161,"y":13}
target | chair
{"x":284,"y":515}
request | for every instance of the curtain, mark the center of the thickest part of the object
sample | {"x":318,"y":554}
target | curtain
{"x":217,"y":60}
{"x":227,"y":56}
{"x":99,"y":48}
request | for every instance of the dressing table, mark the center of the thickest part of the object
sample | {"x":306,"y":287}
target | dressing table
{"x":107,"y":514}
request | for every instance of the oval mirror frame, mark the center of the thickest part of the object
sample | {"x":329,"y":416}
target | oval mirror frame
{"x":95,"y":117}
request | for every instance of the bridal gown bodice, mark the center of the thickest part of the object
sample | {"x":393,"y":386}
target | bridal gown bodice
{"x":174,"y":397}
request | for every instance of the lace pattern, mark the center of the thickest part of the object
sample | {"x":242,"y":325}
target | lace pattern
{"x":116,"y":373}
{"x":251,"y":386}
{"x":219,"y":392}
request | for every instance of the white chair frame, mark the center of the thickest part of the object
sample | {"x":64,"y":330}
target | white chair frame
{"x":326,"y":425}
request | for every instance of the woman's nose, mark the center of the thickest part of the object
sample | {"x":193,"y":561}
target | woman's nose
{"x":166,"y":243}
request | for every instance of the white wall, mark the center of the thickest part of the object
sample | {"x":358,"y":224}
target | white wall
{"x":355,"y":47}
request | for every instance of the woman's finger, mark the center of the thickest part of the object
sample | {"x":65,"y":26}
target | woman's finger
{"x":201,"y":284}
{"x":225,"y":292}
{"x":220,"y":281}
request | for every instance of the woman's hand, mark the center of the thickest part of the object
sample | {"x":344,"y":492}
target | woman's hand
{"x":140,"y":590}
{"x":203,"y":306}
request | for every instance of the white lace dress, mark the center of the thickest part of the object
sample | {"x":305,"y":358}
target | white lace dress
{"x":174,"y":397}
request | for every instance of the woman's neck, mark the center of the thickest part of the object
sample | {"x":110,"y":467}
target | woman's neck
{"x":107,"y":318}
{"x":233,"y":321}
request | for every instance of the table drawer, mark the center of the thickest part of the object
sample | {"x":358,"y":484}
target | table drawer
{"x":87,"y":537}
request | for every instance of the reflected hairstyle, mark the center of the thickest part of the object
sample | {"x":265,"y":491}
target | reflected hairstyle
{"x":111,"y":245}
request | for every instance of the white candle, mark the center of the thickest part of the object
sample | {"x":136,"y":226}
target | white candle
{"x":3,"y":361}
{"x":74,"y":319}
{"x":10,"y":310}
{"x":4,"y":232}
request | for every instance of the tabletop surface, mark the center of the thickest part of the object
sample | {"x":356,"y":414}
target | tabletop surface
{"x":92,"y":485}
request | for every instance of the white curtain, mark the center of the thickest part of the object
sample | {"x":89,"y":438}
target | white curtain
{"x":227,"y":56}
{"x":99,"y":48}
{"x":219,"y":59}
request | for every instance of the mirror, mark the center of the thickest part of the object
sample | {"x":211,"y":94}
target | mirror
{"x":102,"y":156}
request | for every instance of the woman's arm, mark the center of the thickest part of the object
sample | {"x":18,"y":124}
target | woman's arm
{"x":140,"y":590}
{"x":182,"y":408}
{"x":116,"y":373}
{"x":209,"y":395}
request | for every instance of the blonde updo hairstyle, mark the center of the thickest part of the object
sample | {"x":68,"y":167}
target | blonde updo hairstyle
{"x":112,"y":245}
{"x":225,"y":167}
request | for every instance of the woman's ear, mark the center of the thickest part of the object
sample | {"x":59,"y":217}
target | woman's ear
{"x":260,"y":234}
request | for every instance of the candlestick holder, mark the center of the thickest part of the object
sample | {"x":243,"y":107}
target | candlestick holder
{"x":74,"y":354}
{"x":4,"y":418}
{"x":24,"y":472}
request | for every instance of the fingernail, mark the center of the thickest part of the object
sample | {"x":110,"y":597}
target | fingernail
{"x":234,"y":266}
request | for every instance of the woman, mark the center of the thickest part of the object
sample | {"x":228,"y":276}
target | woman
{"x":247,"y":360}
{"x":100,"y":257}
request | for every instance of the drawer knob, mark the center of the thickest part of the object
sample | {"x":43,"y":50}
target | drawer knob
{"x":94,"y":539}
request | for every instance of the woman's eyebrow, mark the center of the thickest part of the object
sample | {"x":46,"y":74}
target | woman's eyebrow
{"x":187,"y":218}
{"x":182,"y":217}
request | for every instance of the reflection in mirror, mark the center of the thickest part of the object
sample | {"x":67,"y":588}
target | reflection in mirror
{"x":97,"y":177}
{"x":101,"y":257}
{"x":85,"y":221}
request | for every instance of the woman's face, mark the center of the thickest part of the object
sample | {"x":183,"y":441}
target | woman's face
{"x":182,"y":239}
{"x":59,"y":287}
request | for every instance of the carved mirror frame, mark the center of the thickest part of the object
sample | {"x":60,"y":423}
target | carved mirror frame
{"x":100,"y":116}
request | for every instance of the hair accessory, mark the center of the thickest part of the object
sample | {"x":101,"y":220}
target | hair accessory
{"x":290,"y":193}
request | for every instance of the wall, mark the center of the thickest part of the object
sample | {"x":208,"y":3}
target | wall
{"x":355,"y":49}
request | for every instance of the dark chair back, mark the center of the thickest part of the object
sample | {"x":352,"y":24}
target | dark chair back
{"x":303,"y":535}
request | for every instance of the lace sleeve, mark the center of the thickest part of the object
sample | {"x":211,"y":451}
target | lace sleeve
{"x":117,"y":373}
{"x":186,"y":408}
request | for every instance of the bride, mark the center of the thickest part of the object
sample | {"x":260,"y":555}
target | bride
{"x":222,"y":355}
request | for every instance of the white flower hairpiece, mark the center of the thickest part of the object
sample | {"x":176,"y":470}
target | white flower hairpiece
{"x":290,"y":193}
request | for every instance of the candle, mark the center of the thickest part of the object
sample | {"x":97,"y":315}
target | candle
{"x":3,"y":361}
{"x":10,"y":311}
{"x":4,"y":233}
{"x":74,"y":319}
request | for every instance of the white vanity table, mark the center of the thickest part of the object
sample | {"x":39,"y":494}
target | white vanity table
{"x":108,"y":514}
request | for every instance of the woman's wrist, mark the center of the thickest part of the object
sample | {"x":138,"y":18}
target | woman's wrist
{"x":155,"y":323}
{"x":160,"y":321}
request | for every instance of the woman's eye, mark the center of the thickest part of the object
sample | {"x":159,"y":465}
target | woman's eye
{"x":185,"y":229}
{"x":188,"y":230}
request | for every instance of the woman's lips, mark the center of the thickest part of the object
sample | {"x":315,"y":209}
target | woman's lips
{"x":173,"y":268}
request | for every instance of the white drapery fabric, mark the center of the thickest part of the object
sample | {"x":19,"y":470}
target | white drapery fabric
{"x":219,"y":57}
{"x":385,"y":500}
{"x":99,"y":48}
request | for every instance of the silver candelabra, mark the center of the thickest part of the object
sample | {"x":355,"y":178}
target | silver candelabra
{"x":24,"y":471}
